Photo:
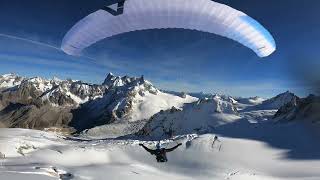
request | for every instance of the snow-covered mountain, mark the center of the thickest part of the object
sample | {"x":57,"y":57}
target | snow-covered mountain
{"x":129,"y":102}
{"x":41,"y":103}
{"x":270,"y":104}
{"x":300,"y":109}
{"x":16,"y":89}
{"x":9,"y":80}
{"x":137,"y":99}
{"x":119,"y":106}
{"x":222,"y":137}
{"x":198,"y":117}
{"x":279,"y":101}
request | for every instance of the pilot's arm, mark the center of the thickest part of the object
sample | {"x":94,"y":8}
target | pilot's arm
{"x":173,"y":148}
{"x":147,"y":149}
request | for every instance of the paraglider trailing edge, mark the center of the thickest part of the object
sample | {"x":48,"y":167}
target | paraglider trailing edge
{"x":123,"y":16}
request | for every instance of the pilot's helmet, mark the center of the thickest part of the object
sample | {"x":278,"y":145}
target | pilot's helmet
{"x":158,"y":145}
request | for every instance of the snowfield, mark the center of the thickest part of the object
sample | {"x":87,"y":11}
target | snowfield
{"x":245,"y":151}
{"x":256,"y":139}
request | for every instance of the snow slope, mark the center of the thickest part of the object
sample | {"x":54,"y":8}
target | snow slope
{"x":150,"y":104}
{"x":143,"y":107}
{"x":250,"y":147}
{"x":270,"y":104}
{"x":278,"y":101}
{"x":199,"y":117}
{"x":53,"y":157}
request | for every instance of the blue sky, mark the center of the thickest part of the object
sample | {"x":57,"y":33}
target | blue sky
{"x":177,"y":60}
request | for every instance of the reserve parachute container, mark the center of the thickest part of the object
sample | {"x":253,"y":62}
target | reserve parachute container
{"x":123,"y":16}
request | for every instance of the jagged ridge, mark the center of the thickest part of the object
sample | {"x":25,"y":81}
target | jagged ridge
{"x":28,"y":102}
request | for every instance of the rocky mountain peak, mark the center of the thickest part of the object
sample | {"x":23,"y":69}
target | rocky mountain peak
{"x":10,"y":80}
{"x":285,"y":94}
{"x":118,"y":81}
{"x":300,"y":108}
{"x":110,"y":78}
{"x":278,"y":101}
{"x":131,"y":85}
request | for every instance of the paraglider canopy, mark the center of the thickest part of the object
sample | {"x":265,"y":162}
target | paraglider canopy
{"x":201,"y":15}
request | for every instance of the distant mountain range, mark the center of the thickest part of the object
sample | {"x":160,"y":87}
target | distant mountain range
{"x":127,"y":105}
{"x":38,"y":103}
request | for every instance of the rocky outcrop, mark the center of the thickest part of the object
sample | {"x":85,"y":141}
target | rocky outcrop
{"x":300,"y":109}
{"x":33,"y":117}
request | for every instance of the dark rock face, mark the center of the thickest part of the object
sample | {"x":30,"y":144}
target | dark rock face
{"x":33,"y":117}
{"x":300,"y":109}
{"x":37,"y":103}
